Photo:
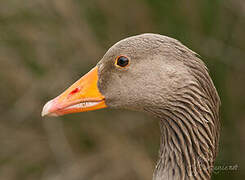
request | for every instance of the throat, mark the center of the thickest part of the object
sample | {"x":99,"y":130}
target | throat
{"x":179,"y":157}
{"x":188,"y":144}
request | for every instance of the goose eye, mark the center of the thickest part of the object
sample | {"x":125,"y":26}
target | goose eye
{"x":122,"y":61}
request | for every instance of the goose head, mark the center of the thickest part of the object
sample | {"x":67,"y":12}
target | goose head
{"x":138,"y":72}
{"x":158,"y":75}
{"x":141,"y":72}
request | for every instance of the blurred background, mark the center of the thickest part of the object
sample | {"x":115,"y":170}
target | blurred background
{"x":46,"y":45}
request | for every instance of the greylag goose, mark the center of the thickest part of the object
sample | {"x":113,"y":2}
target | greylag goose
{"x":158,"y":75}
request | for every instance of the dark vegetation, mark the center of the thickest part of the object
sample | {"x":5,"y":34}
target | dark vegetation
{"x":45,"y":45}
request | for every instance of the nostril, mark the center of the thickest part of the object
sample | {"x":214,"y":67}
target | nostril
{"x":74,"y":91}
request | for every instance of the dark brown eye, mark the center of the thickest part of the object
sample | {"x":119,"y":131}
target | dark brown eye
{"x":122,"y":61}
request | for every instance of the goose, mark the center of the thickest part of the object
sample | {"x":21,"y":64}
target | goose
{"x":160,"y":76}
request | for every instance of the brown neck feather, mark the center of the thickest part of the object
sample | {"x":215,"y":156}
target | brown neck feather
{"x":190,"y":133}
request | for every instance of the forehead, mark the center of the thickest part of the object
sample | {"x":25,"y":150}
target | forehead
{"x":136,"y":46}
{"x":145,"y":47}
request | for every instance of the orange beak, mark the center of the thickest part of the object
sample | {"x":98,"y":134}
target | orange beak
{"x":82,"y":96}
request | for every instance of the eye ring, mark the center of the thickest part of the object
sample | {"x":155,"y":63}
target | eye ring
{"x":122,"y":61}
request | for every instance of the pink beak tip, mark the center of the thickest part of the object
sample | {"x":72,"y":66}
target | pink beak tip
{"x":47,"y":108}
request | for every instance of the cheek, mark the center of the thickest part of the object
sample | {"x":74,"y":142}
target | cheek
{"x":110,"y":88}
{"x":121,"y":90}
{"x":119,"y":97}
